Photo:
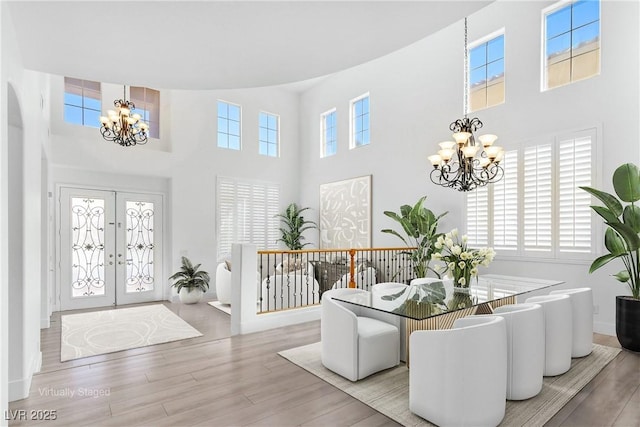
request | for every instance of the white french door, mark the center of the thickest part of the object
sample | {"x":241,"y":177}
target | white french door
{"x":110,"y":248}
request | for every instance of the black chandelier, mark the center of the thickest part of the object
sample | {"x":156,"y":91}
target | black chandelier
{"x":123,"y":127}
{"x":464,"y":164}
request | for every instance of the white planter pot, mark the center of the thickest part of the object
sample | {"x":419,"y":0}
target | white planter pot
{"x":190,"y":296}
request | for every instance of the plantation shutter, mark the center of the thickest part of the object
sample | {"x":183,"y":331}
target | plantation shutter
{"x":246,"y":214}
{"x":272,"y":202}
{"x":574,"y":215}
{"x":538,"y":198}
{"x":478,"y":217}
{"x":505,"y":205}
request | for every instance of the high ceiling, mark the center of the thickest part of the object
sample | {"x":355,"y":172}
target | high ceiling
{"x":219,"y":44}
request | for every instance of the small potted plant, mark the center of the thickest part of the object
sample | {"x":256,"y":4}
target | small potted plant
{"x":622,"y":241}
{"x":190,"y":283}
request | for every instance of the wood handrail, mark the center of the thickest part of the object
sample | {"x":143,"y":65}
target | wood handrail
{"x":303,"y":251}
{"x":351,"y":251}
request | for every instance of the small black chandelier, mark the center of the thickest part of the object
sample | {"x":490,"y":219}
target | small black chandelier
{"x":464,"y":164}
{"x":123,"y":127}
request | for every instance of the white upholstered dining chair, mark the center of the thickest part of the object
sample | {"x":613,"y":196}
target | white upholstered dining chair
{"x":558,"y":332}
{"x":458,"y":376}
{"x":582,"y":314}
{"x":525,"y":349}
{"x":357,"y":342}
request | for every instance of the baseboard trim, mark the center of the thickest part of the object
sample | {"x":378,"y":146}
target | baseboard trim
{"x":37,"y":367}
{"x":604,"y":328}
{"x":19,"y":389}
{"x":263,"y":322}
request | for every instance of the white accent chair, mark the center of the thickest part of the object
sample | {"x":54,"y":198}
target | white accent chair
{"x":582,"y":307}
{"x":458,"y":376}
{"x":558,"y":332}
{"x":525,"y":349}
{"x":356,"y":341}
{"x":223,"y":284}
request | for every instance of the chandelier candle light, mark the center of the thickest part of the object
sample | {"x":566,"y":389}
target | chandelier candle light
{"x":123,"y":127}
{"x":466,"y":164}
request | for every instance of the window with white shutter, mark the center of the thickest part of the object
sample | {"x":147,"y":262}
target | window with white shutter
{"x":538,"y":209}
{"x":478,"y":217}
{"x":505,"y":205}
{"x":246,"y":213}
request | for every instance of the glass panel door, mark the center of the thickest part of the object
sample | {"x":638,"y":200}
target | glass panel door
{"x":110,"y":248}
{"x":87,"y":244}
{"x":139,"y":228}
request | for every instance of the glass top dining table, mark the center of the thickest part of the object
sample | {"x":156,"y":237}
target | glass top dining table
{"x":423,"y":301}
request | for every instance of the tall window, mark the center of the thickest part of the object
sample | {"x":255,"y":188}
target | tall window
{"x":360,"y":134}
{"x":537,"y":209}
{"x":571,"y":42}
{"x":228,"y":125}
{"x":486,"y":73}
{"x":328,"y":139}
{"x":82,"y":102}
{"x":269,"y":134}
{"x":147,"y":102}
{"x":246,"y":213}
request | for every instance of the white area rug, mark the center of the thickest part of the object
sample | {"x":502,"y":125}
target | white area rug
{"x":222,"y":307}
{"x":108,"y":331}
{"x":388,"y":391}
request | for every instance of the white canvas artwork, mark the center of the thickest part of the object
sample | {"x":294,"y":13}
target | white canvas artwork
{"x":345,"y":213}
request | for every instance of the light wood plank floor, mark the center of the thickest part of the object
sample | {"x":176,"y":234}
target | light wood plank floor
{"x":215,"y":380}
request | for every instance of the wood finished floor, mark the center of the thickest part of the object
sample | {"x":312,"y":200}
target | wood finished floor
{"x":215,"y":380}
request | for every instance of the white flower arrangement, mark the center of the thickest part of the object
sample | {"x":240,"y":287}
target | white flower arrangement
{"x":461,"y":262}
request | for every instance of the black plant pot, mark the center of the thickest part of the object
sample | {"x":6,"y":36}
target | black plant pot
{"x":628,"y":322}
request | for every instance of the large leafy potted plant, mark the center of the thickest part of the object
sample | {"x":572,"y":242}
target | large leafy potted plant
{"x":420,"y":226}
{"x":622,"y":241}
{"x":293,"y":225}
{"x":190,"y":282}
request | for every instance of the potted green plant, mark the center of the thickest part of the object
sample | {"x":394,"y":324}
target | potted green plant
{"x":421,"y":228}
{"x":293,"y":225}
{"x":622,"y":241}
{"x":190,"y":282}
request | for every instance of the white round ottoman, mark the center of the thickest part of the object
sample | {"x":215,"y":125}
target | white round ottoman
{"x":558,"y":332}
{"x":582,"y":306}
{"x":525,"y":349}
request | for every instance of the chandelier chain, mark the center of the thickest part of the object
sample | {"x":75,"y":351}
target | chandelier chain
{"x":466,"y":70}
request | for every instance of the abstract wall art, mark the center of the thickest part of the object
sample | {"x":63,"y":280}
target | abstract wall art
{"x":345,"y":213}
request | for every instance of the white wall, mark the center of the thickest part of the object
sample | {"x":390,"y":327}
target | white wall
{"x":24,"y":137}
{"x":417,"y":91}
{"x":4,"y":226}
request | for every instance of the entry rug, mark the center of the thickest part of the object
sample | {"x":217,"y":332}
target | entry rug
{"x":108,"y":331}
{"x":388,"y":391}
